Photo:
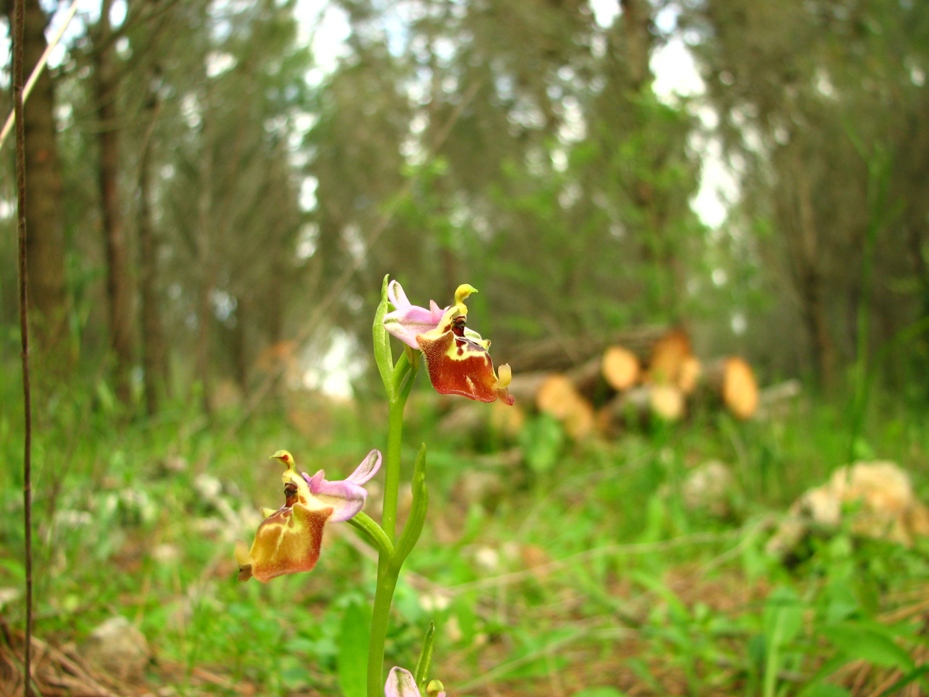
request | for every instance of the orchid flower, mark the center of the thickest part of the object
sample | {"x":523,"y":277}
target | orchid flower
{"x":457,"y":358}
{"x":288,"y":539}
{"x":401,"y":683}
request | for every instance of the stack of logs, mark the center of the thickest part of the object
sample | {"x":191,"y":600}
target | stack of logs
{"x":641,"y":374}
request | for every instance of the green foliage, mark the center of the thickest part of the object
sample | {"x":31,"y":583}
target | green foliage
{"x":598,"y":552}
{"x":542,"y":441}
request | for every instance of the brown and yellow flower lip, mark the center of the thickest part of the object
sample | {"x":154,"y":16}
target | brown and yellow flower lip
{"x":289,"y":539}
{"x":287,"y":542}
{"x":459,"y":365}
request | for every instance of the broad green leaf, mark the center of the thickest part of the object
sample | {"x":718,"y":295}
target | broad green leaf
{"x":868,"y":644}
{"x":353,"y":651}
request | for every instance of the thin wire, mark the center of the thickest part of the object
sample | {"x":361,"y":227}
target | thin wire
{"x":18,"y":33}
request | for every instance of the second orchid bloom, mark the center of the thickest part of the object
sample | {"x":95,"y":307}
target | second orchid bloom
{"x":289,"y":539}
{"x":457,"y":358}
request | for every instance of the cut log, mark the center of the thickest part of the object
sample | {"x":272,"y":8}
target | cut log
{"x":597,"y":380}
{"x":667,"y":402}
{"x":732,"y":381}
{"x":558,"y":397}
{"x":555,"y":395}
{"x":620,"y":368}
{"x":668,"y":356}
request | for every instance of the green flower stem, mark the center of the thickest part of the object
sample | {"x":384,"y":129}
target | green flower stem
{"x":392,"y":461}
{"x":387,"y":574}
{"x":398,"y":381}
{"x":372,"y":532}
{"x":388,"y":565}
{"x":390,"y":560}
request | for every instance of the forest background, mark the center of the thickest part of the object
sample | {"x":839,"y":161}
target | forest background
{"x":216,"y":190}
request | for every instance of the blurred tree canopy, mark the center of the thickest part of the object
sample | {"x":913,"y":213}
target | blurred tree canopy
{"x":216,"y":190}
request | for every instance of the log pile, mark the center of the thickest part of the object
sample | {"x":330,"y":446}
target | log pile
{"x":635,"y":377}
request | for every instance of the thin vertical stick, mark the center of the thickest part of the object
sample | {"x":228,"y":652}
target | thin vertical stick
{"x":19,"y":19}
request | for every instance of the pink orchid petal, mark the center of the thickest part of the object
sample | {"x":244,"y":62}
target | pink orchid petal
{"x":397,"y":296}
{"x":344,"y":497}
{"x":407,"y":321}
{"x":367,"y":469}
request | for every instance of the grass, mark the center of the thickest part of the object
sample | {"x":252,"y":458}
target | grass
{"x":575,"y":570}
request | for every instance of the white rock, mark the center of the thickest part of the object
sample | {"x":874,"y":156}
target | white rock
{"x":877,"y":496}
{"x":119,"y":648}
{"x":709,"y":487}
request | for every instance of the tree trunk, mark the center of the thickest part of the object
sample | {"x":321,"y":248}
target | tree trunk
{"x":241,"y":358}
{"x":817,"y":327}
{"x":206,"y":269}
{"x":636,"y":21}
{"x":154,"y":354}
{"x":45,"y":244}
{"x":118,"y":284}
{"x":917,"y":247}
{"x":811,"y":283}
